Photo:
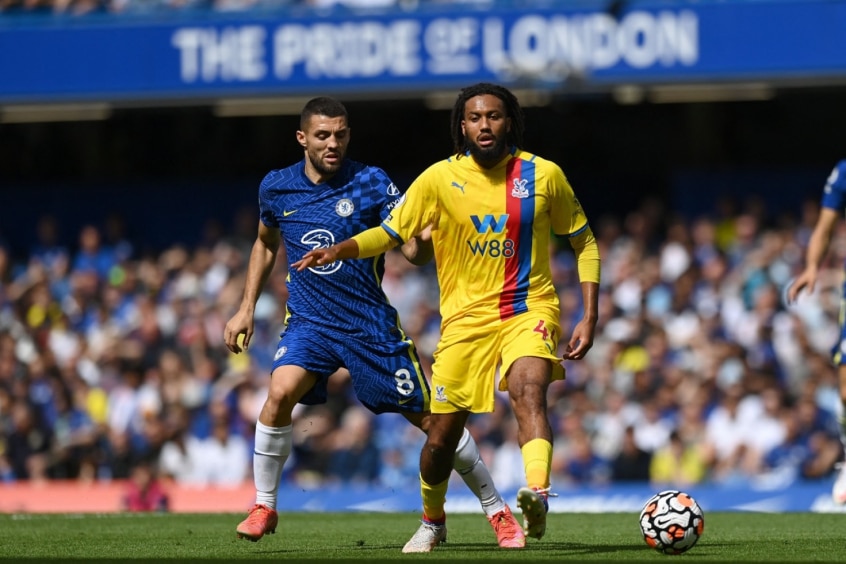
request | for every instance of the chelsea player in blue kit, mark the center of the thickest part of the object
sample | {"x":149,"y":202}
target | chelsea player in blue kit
{"x":832,"y":208}
{"x":337,"y":314}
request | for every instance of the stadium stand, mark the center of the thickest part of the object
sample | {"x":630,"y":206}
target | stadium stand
{"x":111,"y":354}
{"x":109,"y":360}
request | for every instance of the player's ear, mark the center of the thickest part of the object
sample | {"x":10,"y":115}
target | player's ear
{"x":301,"y":138}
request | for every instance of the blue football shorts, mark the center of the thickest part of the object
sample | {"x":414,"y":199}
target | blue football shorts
{"x":385,"y":371}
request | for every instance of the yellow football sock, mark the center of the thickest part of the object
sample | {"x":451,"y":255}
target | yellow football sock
{"x":537,"y":460}
{"x":434,"y":498}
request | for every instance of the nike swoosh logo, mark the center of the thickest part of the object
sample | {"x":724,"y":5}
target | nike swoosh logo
{"x":405,"y":401}
{"x":286,"y":213}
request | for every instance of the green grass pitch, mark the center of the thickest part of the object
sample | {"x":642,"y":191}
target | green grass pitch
{"x":379,"y":537}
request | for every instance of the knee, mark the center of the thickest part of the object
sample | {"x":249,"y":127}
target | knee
{"x":529,"y":399}
{"x":279,"y":399}
{"x":437,"y":445}
{"x":442,"y":444}
{"x":275,"y":396}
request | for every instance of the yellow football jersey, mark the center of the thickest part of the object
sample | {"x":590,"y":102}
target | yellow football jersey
{"x":491,"y":232}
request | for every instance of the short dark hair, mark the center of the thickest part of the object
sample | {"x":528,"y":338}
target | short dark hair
{"x":512,"y":110}
{"x":322,"y":106}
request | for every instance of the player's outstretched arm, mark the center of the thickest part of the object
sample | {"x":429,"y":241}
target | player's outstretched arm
{"x":262,"y":259}
{"x":369,"y":243}
{"x":318,"y":257}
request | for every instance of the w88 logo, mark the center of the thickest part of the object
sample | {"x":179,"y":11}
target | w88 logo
{"x":493,"y":248}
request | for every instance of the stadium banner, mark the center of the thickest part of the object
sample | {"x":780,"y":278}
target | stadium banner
{"x":107,"y":497}
{"x":207,"y":55}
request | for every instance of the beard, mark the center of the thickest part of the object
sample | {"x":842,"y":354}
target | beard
{"x":488,"y":156}
{"x":321,"y":167}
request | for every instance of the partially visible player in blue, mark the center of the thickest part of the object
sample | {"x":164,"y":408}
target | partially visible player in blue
{"x":337,"y":315}
{"x":832,"y":209}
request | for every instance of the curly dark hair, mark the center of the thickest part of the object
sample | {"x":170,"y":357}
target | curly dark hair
{"x":512,"y":110}
{"x":322,"y":106}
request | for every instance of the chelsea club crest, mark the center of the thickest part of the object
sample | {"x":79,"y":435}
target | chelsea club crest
{"x":280,"y":352}
{"x":344,"y":207}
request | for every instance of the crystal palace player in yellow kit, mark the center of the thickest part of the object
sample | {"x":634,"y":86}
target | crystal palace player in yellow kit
{"x":492,"y":207}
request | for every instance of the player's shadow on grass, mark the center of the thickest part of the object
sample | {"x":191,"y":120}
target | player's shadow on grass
{"x":569,"y":548}
{"x":393,"y":551}
{"x":456,"y":548}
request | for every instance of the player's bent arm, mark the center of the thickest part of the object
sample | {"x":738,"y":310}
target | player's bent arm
{"x":587,"y":255}
{"x":817,"y":250}
{"x":262,"y":259}
{"x":821,"y":237}
{"x":419,"y":250}
{"x":581,"y":341}
{"x":587,"y":258}
{"x":588,"y":262}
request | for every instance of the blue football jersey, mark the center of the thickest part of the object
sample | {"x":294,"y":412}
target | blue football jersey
{"x":834,"y":193}
{"x":346,"y":295}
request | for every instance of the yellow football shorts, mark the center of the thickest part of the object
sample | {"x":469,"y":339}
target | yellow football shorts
{"x":465,"y":369}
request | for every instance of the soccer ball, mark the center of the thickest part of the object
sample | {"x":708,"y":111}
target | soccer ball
{"x":671,"y":522}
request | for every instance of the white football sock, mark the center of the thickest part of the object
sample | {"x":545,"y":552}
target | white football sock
{"x":468,"y":463}
{"x":273,"y":445}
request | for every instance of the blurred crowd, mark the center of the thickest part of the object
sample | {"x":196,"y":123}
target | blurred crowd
{"x":112,"y":359}
{"x":162,"y":7}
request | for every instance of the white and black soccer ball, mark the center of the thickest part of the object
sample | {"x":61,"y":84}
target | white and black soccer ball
{"x":671,"y":522}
